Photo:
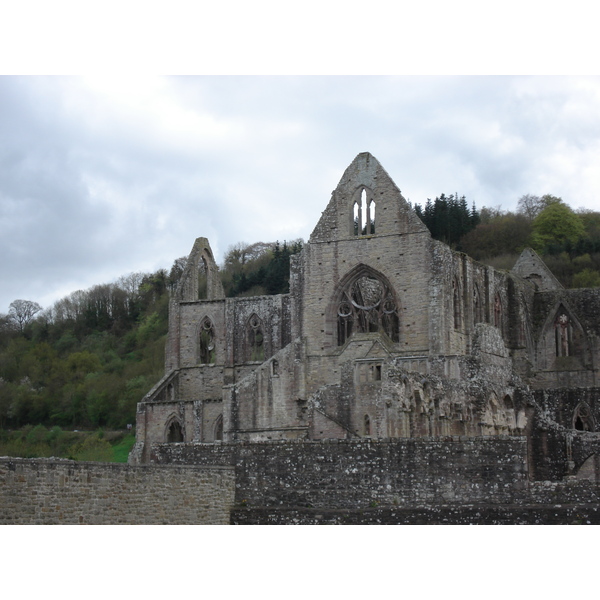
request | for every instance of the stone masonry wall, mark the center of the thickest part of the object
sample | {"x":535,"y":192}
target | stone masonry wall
{"x":53,"y":491}
{"x":356,"y":474}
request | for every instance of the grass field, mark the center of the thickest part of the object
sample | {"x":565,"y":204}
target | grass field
{"x":40,"y":442}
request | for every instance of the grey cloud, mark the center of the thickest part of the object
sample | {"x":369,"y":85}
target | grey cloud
{"x":98,"y":182}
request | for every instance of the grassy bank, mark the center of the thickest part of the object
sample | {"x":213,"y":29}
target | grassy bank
{"x":39,"y":441}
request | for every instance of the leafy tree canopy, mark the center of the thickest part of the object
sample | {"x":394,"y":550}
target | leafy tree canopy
{"x":557,"y":224}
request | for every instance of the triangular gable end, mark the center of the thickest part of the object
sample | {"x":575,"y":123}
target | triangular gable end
{"x":531,"y":267}
{"x":378,"y":351}
{"x":366,"y":202}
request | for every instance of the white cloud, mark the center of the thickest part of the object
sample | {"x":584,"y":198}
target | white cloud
{"x":101,"y":176}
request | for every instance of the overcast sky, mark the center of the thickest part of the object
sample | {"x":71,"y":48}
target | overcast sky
{"x":103,"y":176}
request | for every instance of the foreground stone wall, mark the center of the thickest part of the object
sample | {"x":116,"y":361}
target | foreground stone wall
{"x":49,"y":491}
{"x":355,"y":474}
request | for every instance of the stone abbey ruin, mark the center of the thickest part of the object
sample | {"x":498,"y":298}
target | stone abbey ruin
{"x":398,"y":381}
{"x":396,"y":372}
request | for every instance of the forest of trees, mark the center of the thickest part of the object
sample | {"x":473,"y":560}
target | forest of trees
{"x":85,"y":362}
{"x":448,"y":218}
{"x":568,"y":240}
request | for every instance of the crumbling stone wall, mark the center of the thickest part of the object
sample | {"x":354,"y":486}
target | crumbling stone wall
{"x":52,"y":491}
{"x":361,"y":473}
{"x":564,"y":431}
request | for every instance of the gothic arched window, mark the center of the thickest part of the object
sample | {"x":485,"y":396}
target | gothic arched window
{"x":174,"y":432}
{"x":477,"y":306}
{"x":202,"y":278}
{"x":206,"y":343}
{"x":562,"y":334}
{"x":366,"y":305}
{"x":498,"y":312}
{"x":363,"y":214}
{"x":582,"y":418}
{"x":456,"y":304}
{"x":255,"y":339}
{"x":219,"y":429}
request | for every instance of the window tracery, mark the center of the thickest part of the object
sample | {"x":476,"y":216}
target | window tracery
{"x":582,"y":418}
{"x":363,"y":214}
{"x":367,"y":305}
{"x":206,"y":350}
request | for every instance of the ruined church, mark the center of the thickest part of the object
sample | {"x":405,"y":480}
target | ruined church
{"x":386,"y":334}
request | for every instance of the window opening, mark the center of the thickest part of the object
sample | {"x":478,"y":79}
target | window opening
{"x":207,"y":343}
{"x":275,"y":368}
{"x":582,"y":418}
{"x":219,"y":429}
{"x":371,"y":221}
{"x":202,"y":279}
{"x":498,"y":312}
{"x":255,"y":339}
{"x":367,"y":305}
{"x":477,"y":306}
{"x":367,"y":425}
{"x":174,"y":435}
{"x":456,"y":304}
{"x":562,"y":334}
{"x":363,"y":215}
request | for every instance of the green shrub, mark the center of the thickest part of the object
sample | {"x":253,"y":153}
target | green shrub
{"x":93,"y":448}
{"x":37,"y":434}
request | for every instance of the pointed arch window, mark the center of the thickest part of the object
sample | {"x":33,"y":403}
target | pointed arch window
{"x":363,"y":214}
{"x":255,"y":339}
{"x":174,"y":432}
{"x":498,"y":312}
{"x":563,"y":334}
{"x":219,"y":429}
{"x":477,"y":306}
{"x":202,"y":278}
{"x":456,"y":304}
{"x":582,"y":418}
{"x":367,"y":305}
{"x":206,"y":343}
{"x":371,"y":218}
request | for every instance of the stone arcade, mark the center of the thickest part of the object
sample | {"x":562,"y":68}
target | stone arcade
{"x":388,"y":341}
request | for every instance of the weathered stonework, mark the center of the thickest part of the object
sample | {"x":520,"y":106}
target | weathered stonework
{"x":64,"y":492}
{"x":386,"y":335}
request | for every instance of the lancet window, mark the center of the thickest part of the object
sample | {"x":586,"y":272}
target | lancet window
{"x":206,"y":344}
{"x":498,"y":312}
{"x":202,"y":278}
{"x":456,"y":304}
{"x":219,"y":428}
{"x":363,"y":214}
{"x":367,"y":305}
{"x":477,"y":306}
{"x":562,"y":334}
{"x":255,"y":339}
